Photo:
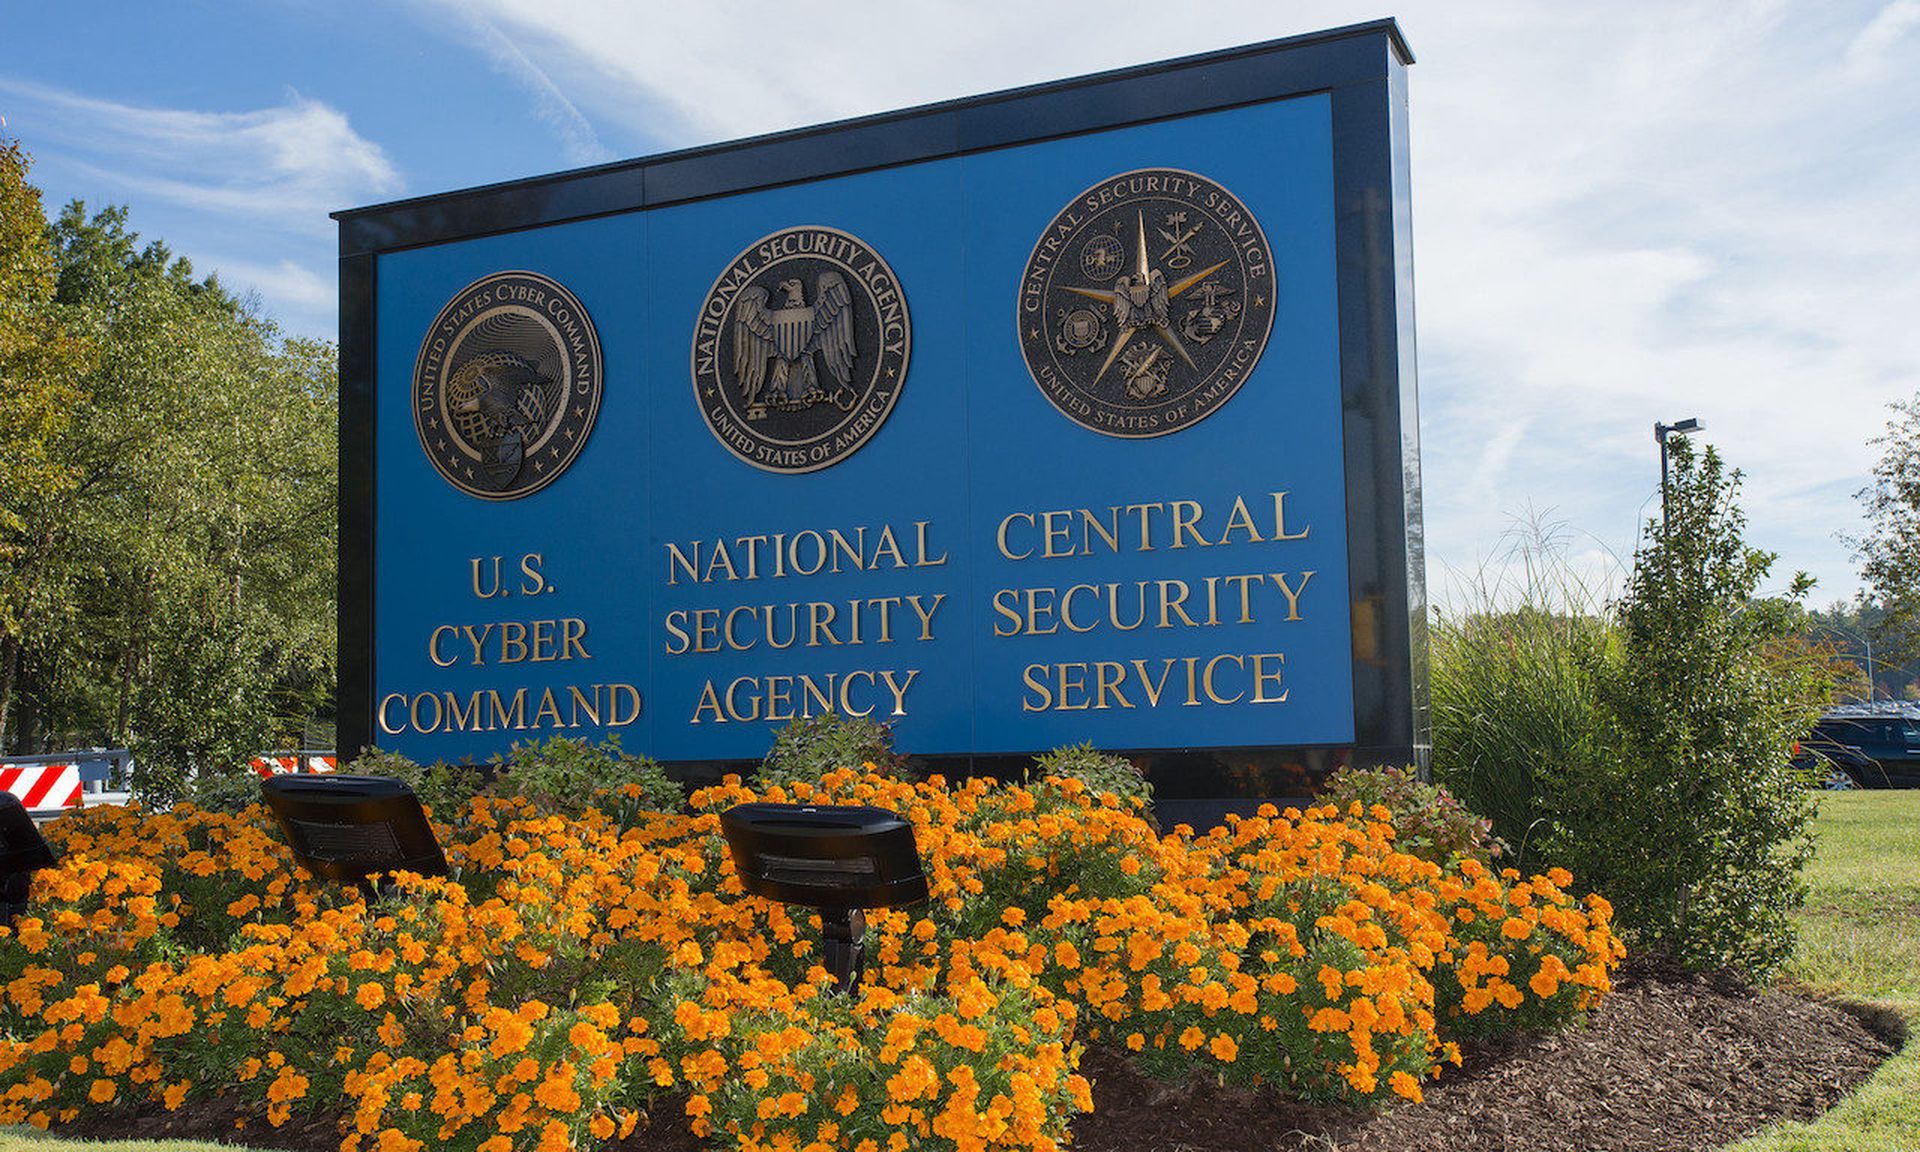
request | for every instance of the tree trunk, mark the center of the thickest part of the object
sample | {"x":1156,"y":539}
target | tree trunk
{"x":9,"y":666}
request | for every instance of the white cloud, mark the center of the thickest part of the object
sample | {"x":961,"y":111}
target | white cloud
{"x":1624,"y":212}
{"x":288,"y":165}
{"x":577,"y":139}
{"x":1867,"y":55}
{"x":289,"y":286}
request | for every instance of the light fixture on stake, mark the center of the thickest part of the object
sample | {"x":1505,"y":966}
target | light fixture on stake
{"x":1660,"y":434}
{"x":839,"y":859}
{"x":347,"y":828}
{"x":22,"y":851}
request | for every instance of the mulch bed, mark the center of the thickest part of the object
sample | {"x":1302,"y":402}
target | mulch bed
{"x":1672,"y":1062}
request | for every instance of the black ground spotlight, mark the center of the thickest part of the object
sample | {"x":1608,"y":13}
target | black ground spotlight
{"x":22,"y":851}
{"x":840,"y":859}
{"x":346,"y":828}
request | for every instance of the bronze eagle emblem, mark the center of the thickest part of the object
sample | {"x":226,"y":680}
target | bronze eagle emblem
{"x":774,"y":348}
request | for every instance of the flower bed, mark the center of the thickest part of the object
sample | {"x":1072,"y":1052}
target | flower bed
{"x":576,"y":971}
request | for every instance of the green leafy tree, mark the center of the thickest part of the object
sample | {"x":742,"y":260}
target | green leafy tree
{"x":1889,"y":553}
{"x":1691,"y":821}
{"x":42,"y":363}
{"x":183,"y":579}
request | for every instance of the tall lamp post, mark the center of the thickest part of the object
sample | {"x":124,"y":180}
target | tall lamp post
{"x":1660,"y":434}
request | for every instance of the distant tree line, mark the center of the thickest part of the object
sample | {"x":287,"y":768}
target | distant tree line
{"x":168,"y":501}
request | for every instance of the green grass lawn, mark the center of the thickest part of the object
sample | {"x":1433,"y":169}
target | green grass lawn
{"x":1859,"y":940}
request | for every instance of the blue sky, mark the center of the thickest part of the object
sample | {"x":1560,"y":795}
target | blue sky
{"x":1623,"y":212}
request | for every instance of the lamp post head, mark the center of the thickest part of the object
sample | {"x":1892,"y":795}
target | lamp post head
{"x":1690,"y":424}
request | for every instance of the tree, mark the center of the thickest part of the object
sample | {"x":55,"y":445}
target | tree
{"x":184,"y":582}
{"x":1691,"y":822}
{"x":42,"y":363}
{"x":1889,"y":553}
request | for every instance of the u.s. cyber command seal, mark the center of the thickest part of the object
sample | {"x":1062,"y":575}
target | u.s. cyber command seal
{"x":507,"y":385}
{"x":801,"y":349}
{"x":1147,"y":302}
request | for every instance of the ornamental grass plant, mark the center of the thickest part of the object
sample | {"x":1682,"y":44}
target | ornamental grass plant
{"x":576,"y":971}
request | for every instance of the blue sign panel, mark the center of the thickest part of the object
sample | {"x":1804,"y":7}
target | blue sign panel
{"x":1011,"y":447}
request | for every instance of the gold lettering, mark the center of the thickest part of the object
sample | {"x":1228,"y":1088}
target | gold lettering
{"x":1280,"y":520}
{"x":572,"y":632}
{"x":1292,"y":592}
{"x":501,"y":714}
{"x":1000,"y":605}
{"x":1150,"y":687}
{"x":1066,"y":607}
{"x":1261,"y":677}
{"x":926,"y":614}
{"x":1173,"y":604}
{"x":1207,"y":679}
{"x":433,"y":646}
{"x":899,"y":689}
{"x":846,"y":694}
{"x":678,"y":561}
{"x":614,"y":692}
{"x":386,"y":725}
{"x":819,"y":619}
{"x":581,"y":703}
{"x":709,"y":699}
{"x":1108,"y":676}
{"x":1241,"y":518}
{"x":780,"y":698}
{"x":1066,"y":683}
{"x":1001,"y":537}
{"x":1186,"y":520}
{"x":1056,"y":526}
{"x":888,"y":546}
{"x":513,"y":642}
{"x":1038,"y":687}
{"x":1036,"y":609}
{"x":458,"y":721}
{"x":542,"y":641}
{"x":733,"y":709}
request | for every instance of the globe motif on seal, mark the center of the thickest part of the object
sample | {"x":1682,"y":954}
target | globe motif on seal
{"x":494,"y":396}
{"x":507,"y":385}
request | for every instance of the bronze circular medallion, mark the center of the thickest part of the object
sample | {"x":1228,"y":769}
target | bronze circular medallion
{"x":507,"y":385}
{"x":1146,"y":303}
{"x":801,"y":349}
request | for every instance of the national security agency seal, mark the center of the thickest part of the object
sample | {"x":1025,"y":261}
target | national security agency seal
{"x":507,"y":385}
{"x":1146,"y":303}
{"x":800,"y":349}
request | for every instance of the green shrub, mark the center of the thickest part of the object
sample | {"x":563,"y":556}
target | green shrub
{"x":229,"y":792}
{"x":810,"y":747}
{"x":1428,"y":822}
{"x":570,"y":774}
{"x":563,"y":774}
{"x":1101,"y":772}
{"x":1693,"y":824}
{"x":1645,"y":745}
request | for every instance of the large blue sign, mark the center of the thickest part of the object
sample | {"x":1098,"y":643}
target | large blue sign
{"x":1011,"y":447}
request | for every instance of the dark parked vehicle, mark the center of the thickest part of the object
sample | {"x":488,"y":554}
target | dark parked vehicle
{"x":1876,"y":745}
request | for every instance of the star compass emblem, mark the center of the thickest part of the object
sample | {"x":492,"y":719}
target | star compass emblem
{"x":1180,"y":273}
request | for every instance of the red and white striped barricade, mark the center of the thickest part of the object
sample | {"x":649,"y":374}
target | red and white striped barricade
{"x":43,"y":788}
{"x":292,"y":763}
